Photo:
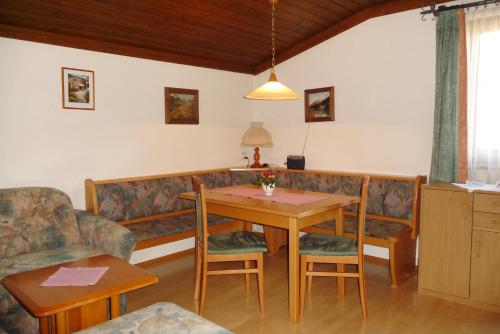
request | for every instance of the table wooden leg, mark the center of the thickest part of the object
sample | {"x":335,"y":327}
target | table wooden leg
{"x":293,"y":270}
{"x":115,"y":306}
{"x":339,"y":230}
{"x":61,"y":323}
{"x":44,"y":325}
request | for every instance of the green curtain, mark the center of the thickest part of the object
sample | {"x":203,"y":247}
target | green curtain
{"x":445,"y":148}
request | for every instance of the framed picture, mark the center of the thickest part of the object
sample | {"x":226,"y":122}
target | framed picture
{"x":319,"y":104}
{"x":181,"y":106}
{"x":78,"y":89}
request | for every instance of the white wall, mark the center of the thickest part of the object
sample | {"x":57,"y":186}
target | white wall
{"x":43,"y":144}
{"x":382,"y":70}
{"x":383,"y":73}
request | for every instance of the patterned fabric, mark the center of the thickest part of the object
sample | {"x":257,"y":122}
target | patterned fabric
{"x":35,"y":219}
{"x":398,"y":200}
{"x":375,"y":199}
{"x":235,"y":243}
{"x":158,"y":318}
{"x":13,"y":317}
{"x":324,"y":244}
{"x":216,"y":180}
{"x":373,"y":228}
{"x":245,"y":177}
{"x":103,"y":234}
{"x":127,"y":200}
{"x":171,"y":225}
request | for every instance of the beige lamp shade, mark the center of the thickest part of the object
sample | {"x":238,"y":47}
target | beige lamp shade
{"x":256,"y":135}
{"x":273,"y":90}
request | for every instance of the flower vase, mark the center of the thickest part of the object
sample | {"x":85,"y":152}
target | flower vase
{"x":268,"y":188}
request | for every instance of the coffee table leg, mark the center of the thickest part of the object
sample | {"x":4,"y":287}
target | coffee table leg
{"x":339,"y":230}
{"x":293,"y":270}
{"x":61,"y":323}
{"x":115,"y":306}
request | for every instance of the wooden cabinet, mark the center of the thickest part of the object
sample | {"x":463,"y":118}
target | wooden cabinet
{"x":459,"y":250}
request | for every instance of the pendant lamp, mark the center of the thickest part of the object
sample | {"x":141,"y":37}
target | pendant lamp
{"x":273,"y":89}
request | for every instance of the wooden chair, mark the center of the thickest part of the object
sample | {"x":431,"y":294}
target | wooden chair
{"x":336,"y":249}
{"x":224,"y":247}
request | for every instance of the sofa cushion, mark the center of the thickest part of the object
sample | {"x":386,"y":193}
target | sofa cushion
{"x":373,"y":227}
{"x":158,"y":318}
{"x":13,"y":317}
{"x":157,"y":228}
{"x":36,"y":219}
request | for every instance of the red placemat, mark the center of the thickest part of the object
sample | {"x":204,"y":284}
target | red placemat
{"x":79,"y":276}
{"x":278,"y":195}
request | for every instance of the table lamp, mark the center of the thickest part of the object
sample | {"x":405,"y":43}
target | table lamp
{"x":257,"y":136}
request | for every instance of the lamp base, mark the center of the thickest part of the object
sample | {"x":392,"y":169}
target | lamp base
{"x":256,"y":157}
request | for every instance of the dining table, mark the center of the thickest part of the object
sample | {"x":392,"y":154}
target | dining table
{"x":289,"y":209}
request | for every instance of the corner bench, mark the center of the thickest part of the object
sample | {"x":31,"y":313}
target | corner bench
{"x":150,"y":206}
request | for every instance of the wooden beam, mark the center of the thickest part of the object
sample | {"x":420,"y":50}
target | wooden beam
{"x":353,"y":20}
{"x":124,"y":50}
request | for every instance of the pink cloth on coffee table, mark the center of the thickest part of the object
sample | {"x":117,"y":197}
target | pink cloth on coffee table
{"x":277,"y":196}
{"x":77,"y":276}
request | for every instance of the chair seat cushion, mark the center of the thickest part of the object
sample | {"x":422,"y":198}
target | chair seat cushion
{"x":373,"y":227}
{"x":325,"y":244}
{"x":13,"y":316}
{"x":158,"y":228}
{"x":236,"y":243}
{"x":158,"y":318}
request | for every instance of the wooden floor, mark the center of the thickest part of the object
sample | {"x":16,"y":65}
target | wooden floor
{"x":390,"y":310}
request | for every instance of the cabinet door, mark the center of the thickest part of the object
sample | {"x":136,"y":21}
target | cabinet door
{"x":485,"y":267}
{"x":445,"y":241}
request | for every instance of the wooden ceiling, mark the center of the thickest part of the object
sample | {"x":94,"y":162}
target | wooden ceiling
{"x":232,"y":35}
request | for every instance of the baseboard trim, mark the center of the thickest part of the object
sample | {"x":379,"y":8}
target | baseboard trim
{"x":166,"y":258}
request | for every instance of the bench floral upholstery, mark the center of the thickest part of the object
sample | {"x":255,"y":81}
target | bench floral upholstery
{"x":128,"y":199}
{"x":373,"y":227}
{"x":158,"y":318}
{"x":152,"y":229}
{"x":39,"y":228}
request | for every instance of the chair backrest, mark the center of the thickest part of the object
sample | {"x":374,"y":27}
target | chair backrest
{"x":201,"y":217}
{"x":362,"y":213}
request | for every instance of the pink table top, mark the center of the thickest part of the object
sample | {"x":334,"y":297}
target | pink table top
{"x":277,"y":196}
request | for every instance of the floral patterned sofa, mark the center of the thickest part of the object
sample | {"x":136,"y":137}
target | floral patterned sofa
{"x":38,"y":228}
{"x":158,"y":318}
{"x":151,"y":208}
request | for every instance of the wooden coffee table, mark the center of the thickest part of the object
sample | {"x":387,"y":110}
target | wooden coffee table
{"x":68,"y":309}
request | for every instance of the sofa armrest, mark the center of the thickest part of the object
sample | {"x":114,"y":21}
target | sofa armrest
{"x":105,"y":235}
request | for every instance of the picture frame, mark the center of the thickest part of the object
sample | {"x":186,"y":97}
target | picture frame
{"x":78,"y":88}
{"x":319,"y":104}
{"x":181,"y":106}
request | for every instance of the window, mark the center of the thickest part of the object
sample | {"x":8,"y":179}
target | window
{"x":483,"y":49}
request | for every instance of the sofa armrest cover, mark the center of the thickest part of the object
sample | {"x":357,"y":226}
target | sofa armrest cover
{"x":105,"y":235}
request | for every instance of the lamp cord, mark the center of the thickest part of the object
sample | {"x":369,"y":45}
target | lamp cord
{"x":273,"y":41}
{"x":307,"y":132}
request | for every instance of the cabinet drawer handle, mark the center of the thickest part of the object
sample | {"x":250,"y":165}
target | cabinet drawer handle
{"x":477,"y":248}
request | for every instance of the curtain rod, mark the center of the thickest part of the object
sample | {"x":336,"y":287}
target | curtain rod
{"x":436,"y":10}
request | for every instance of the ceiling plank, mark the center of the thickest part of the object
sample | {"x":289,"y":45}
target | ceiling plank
{"x":359,"y":17}
{"x":124,"y":50}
